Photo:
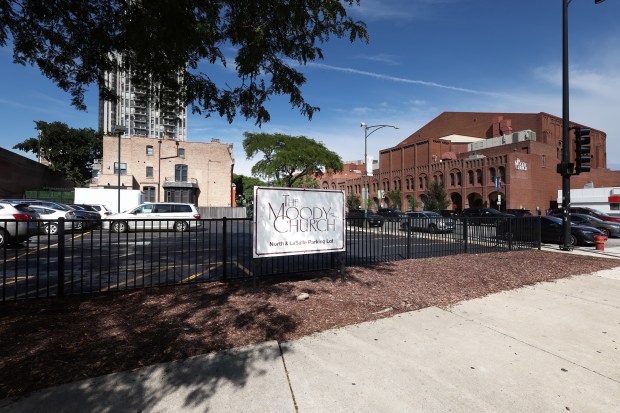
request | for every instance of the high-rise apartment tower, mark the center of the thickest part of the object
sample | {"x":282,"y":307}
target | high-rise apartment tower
{"x":136,"y":110}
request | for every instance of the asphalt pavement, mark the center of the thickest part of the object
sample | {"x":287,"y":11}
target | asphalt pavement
{"x":551,"y":347}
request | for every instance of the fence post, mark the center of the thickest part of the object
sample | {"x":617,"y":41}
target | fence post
{"x":465,"y":235}
{"x":225,"y":248}
{"x":61,"y":256}
{"x":409,"y":231}
{"x":538,"y":235}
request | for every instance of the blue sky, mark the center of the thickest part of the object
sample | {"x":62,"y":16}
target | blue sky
{"x":424,"y":57}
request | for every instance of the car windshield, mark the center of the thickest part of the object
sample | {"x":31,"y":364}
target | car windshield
{"x":601,"y":213}
{"x":590,"y":218}
{"x":555,"y":220}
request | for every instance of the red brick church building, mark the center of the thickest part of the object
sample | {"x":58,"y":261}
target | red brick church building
{"x":500,"y":160}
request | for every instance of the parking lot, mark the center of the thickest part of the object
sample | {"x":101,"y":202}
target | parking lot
{"x":100,"y":260}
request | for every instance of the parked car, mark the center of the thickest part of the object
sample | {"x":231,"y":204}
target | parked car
{"x":610,"y":229}
{"x":51,"y":215}
{"x":519,"y":212}
{"x":449,"y":213}
{"x":484,"y":216}
{"x":87,"y":219}
{"x":429,"y":221}
{"x":587,"y":211}
{"x":16,"y":223}
{"x":101,"y":209}
{"x":551,"y":230}
{"x":84,"y":219}
{"x":356,"y":217}
{"x":483,"y":212}
{"x":390,"y":214}
{"x":155,"y":216}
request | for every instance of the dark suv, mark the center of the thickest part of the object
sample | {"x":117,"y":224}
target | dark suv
{"x":483,"y":212}
{"x":519,"y":212}
{"x":355,"y":217}
{"x":390,"y":214}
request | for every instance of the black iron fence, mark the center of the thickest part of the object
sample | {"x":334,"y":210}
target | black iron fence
{"x":100,"y":260}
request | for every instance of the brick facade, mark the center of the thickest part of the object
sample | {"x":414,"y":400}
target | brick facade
{"x":528,"y":169}
{"x":168,"y":169}
{"x":19,"y":174}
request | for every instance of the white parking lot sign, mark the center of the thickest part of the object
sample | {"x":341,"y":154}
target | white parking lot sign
{"x":290,"y":221}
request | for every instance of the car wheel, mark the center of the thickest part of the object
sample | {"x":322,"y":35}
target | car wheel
{"x":572,"y":241}
{"x":51,"y":228}
{"x":4,"y":238}
{"x":606,"y":232}
{"x":432,"y":228}
{"x":181,"y":226}
{"x":119,"y":226}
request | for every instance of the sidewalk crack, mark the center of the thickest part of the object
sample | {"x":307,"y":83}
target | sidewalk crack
{"x":288,"y":379}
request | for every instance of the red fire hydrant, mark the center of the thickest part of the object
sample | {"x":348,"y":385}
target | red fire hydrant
{"x":599,"y":241}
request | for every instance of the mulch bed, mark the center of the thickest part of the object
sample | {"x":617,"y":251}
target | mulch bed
{"x":48,"y":342}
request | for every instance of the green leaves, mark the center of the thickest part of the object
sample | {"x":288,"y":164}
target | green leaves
{"x":74,"y":42}
{"x":289,"y":160}
{"x":437,"y":198}
{"x":70,"y":151}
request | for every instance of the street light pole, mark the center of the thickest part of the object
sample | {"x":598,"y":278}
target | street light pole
{"x":372,"y":129}
{"x":119,"y":130}
{"x":566,"y":167}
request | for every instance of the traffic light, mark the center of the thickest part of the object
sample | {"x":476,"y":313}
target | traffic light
{"x":582,"y":150}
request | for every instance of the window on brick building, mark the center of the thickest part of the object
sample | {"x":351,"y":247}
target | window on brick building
{"x":149,"y":171}
{"x":479,"y":176}
{"x":149,"y":193}
{"x":180,"y":173}
{"x":149,"y":150}
{"x":470,"y":175}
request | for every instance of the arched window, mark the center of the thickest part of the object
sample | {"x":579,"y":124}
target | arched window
{"x":502,"y":173}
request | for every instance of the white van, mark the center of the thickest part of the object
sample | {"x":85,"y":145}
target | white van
{"x":155,"y":216}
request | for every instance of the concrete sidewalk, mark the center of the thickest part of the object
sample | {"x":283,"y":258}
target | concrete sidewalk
{"x":549,"y":347}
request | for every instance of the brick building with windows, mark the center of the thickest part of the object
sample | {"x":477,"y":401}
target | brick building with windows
{"x":169,"y":170}
{"x":499,"y":160}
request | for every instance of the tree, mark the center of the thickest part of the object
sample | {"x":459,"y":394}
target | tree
{"x":70,"y":151}
{"x":245,"y":189}
{"x":169,"y":42}
{"x":353,"y":201}
{"x":288,"y":160}
{"x":413,"y":202}
{"x":395,"y":198}
{"x":307,"y":182}
{"x":437,"y":198}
